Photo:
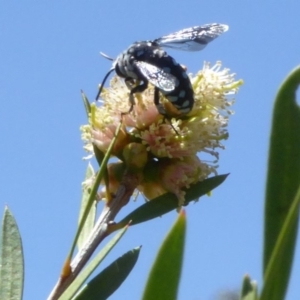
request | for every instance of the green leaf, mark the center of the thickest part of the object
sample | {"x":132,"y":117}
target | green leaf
{"x":11,"y":259}
{"x":89,"y":269}
{"x":282,"y":182}
{"x":249,"y":289}
{"x":86,"y":103}
{"x":90,"y":221}
{"x":94,"y":189}
{"x":163,"y":281}
{"x":99,"y":155}
{"x":168,"y":202}
{"x":109,"y":280}
{"x":274,"y":269}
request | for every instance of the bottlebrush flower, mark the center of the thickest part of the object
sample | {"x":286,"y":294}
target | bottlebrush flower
{"x":170,"y":154}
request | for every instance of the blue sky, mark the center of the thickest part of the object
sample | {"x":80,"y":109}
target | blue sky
{"x":49,"y":50}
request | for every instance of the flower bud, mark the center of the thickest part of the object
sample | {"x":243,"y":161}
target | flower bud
{"x":135,"y":155}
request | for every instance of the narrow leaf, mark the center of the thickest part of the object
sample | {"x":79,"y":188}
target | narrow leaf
{"x":168,"y":202}
{"x":11,"y":259}
{"x":109,"y":280}
{"x":90,"y":221}
{"x":99,"y":155}
{"x":94,"y":189}
{"x":89,"y":269}
{"x":282,"y":183}
{"x":249,"y":289}
{"x":86,"y":103}
{"x":163,"y":281}
{"x":273,"y":270}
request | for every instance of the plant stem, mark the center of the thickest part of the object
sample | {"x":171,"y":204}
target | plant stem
{"x":99,"y":232}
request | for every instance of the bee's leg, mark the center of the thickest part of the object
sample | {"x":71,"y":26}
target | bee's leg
{"x":158,"y":105}
{"x":140,"y":87}
{"x":156,"y":96}
{"x":136,"y":89}
{"x":129,"y":82}
{"x":161,"y":109}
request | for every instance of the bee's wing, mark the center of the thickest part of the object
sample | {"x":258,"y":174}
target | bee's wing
{"x":193,"y":38}
{"x":157,"y":76}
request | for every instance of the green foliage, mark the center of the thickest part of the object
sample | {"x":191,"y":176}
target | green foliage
{"x":249,"y":289}
{"x":280,"y":231}
{"x":90,"y":221}
{"x":86,"y":103}
{"x":283,"y":181}
{"x":90,"y":268}
{"x":11,"y":259}
{"x":168,"y":202}
{"x":92,"y":195}
{"x":108,"y":281}
{"x":163,"y":281}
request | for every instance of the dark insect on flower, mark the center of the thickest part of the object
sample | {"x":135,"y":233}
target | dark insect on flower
{"x":146,"y":61}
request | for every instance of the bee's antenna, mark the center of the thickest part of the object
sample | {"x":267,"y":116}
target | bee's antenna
{"x":102,"y":84}
{"x":106,"y":56}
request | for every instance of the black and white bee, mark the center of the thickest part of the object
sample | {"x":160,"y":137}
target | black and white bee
{"x":146,"y":61}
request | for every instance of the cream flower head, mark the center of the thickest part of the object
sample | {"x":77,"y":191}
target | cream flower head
{"x":169,"y":150}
